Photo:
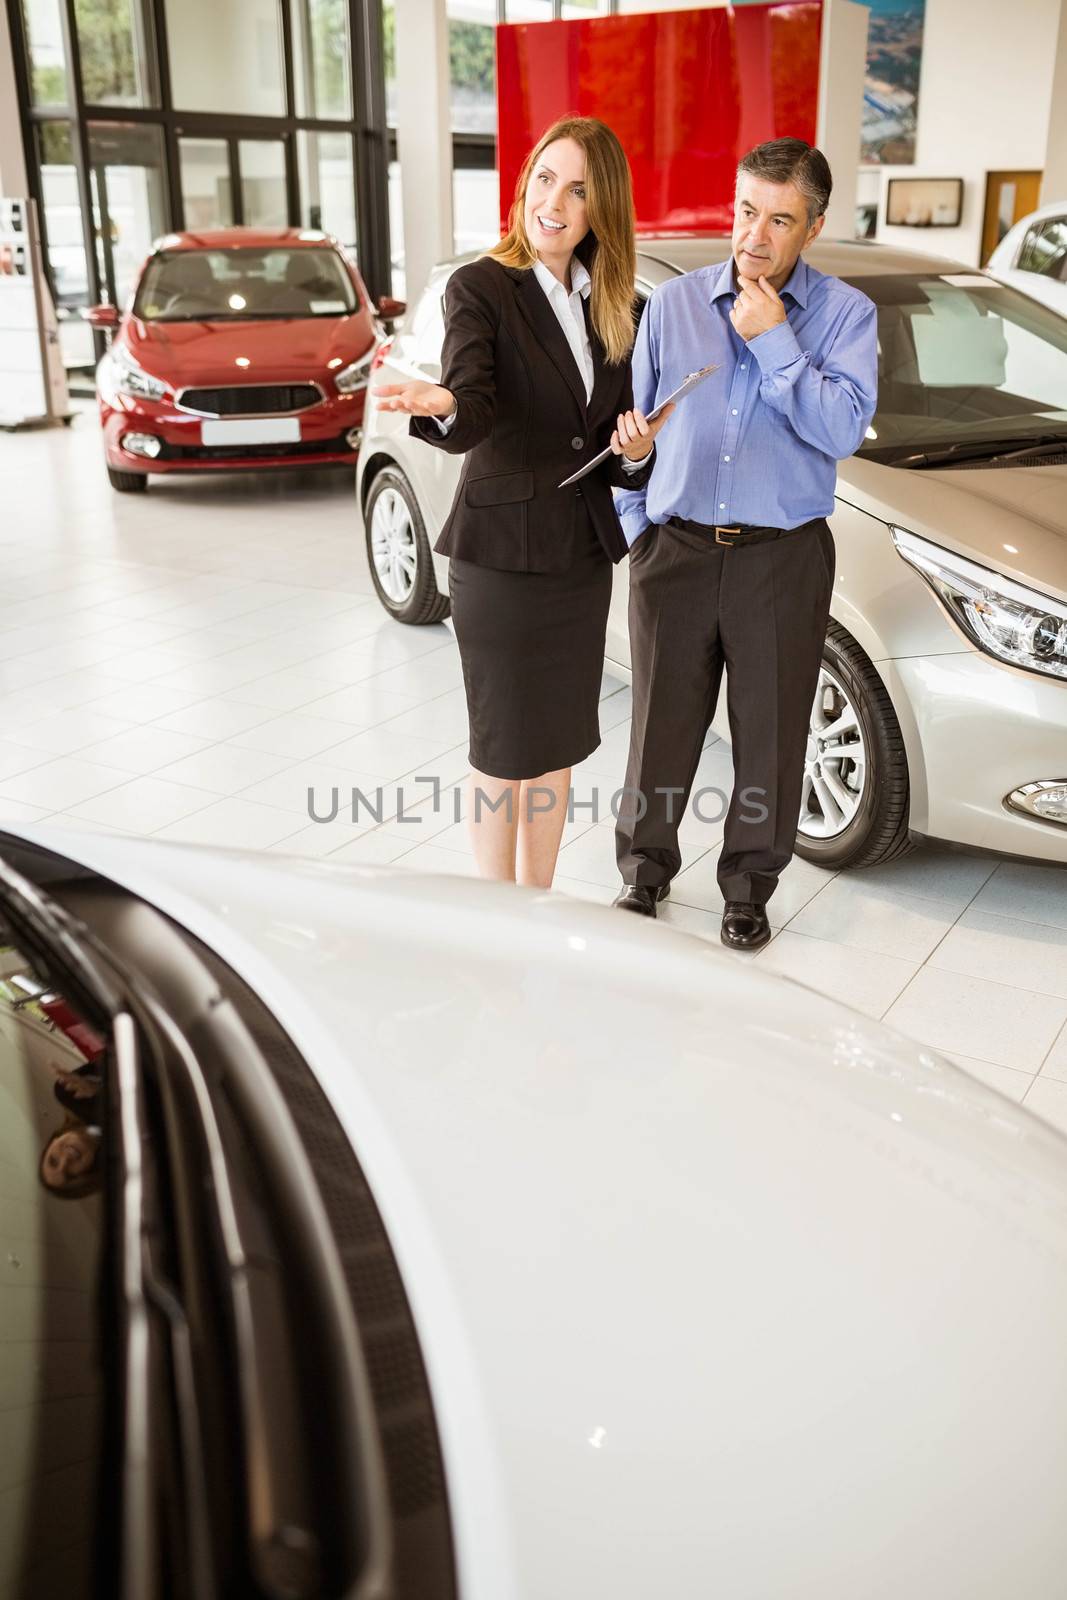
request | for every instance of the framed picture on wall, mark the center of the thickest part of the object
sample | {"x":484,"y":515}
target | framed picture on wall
{"x":924,"y":202}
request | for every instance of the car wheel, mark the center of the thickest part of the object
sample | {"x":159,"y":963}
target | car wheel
{"x":127,"y":482}
{"x":398,"y":552}
{"x":855,"y":798}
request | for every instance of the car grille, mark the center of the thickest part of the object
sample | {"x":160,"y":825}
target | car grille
{"x":298,"y":450}
{"x":252,"y":399}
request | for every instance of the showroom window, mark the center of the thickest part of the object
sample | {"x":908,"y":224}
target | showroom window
{"x":322,"y":59}
{"x":327,"y":188}
{"x":241,"y":72}
{"x":47,"y":51}
{"x":116,"y":53}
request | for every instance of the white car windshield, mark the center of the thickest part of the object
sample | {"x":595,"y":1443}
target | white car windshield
{"x":966,"y":368}
{"x":244,"y":284}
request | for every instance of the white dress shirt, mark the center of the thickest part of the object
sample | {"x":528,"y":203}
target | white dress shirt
{"x":571,"y":318}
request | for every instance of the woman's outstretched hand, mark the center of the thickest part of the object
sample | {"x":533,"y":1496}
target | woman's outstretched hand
{"x":634,"y":435}
{"x":418,"y":399}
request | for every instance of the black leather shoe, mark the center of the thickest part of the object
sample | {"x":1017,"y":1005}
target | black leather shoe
{"x":636,"y":897}
{"x":745,"y":925}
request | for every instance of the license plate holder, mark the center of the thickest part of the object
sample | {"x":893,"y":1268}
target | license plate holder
{"x":251,"y":430}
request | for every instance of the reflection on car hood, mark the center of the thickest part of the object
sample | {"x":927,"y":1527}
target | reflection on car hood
{"x":978,"y":512}
{"x":206,"y":353}
{"x":717,"y":1280}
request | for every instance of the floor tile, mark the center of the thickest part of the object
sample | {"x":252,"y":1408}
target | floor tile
{"x":141,"y":666}
{"x":991,"y":1021}
{"x":951,"y":877}
{"x":317,"y":839}
{"x":281,"y":691}
{"x":295,"y":735}
{"x":315,"y":789}
{"x":1055,"y":1063}
{"x":224,"y":768}
{"x":387,"y":754}
{"x":143,"y":702}
{"x":1026,"y":955}
{"x":374,"y":849}
{"x":235,"y":823}
{"x":364,"y":705}
{"x":1047,"y":1099}
{"x":1010,"y":1082}
{"x":143,"y":749}
{"x":16,"y":811}
{"x":213,"y":720}
{"x":868,"y":917}
{"x":16,"y":758}
{"x":1029,"y":893}
{"x":428,"y":858}
{"x":143,"y":805}
{"x":61,"y":783}
{"x":65,"y":732}
{"x":857,"y":978}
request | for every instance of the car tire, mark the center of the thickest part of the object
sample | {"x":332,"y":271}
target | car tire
{"x":398,"y":552}
{"x":127,"y":482}
{"x":856,"y":796}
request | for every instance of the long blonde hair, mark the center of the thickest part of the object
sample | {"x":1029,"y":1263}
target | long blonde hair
{"x":608,"y":250}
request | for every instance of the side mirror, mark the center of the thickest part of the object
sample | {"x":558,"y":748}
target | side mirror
{"x":102,"y":317}
{"x":390,"y":310}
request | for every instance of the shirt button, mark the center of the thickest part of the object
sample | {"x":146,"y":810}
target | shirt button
{"x":744,"y":364}
{"x":576,"y":443}
{"x":733,"y":413}
{"x":722,"y":505}
{"x":726,"y":458}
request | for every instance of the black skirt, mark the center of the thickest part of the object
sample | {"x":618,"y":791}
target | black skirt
{"x":532,"y":648}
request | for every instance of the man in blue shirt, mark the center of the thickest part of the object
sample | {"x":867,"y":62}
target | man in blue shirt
{"x":731,"y":558}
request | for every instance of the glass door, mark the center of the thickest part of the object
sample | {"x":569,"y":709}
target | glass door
{"x":129,"y":200}
{"x":207,"y":183}
{"x":264,"y":179}
{"x":228,"y":181}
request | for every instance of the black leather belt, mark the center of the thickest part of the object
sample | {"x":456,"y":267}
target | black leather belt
{"x":736,"y":535}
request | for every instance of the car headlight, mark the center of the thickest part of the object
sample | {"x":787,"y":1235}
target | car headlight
{"x":354,"y":377}
{"x":133,"y":380}
{"x":1002,"y":617}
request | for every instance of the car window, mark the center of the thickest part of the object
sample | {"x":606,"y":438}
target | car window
{"x":244,"y":284}
{"x":51,"y":1173}
{"x":1044,"y":250}
{"x":962,"y":357}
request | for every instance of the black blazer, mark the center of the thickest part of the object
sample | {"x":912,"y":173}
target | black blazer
{"x":523,"y":424}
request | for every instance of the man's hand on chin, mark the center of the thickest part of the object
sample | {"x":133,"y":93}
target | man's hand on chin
{"x":757,"y":308}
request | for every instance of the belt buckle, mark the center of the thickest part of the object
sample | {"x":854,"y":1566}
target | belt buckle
{"x":729,"y":543}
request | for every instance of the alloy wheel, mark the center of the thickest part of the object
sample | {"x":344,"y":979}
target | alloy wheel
{"x":393,"y":546}
{"x":835,"y":763}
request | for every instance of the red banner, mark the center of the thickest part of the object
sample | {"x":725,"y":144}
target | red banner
{"x":687,"y":92}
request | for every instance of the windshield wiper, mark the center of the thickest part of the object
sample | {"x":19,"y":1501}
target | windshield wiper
{"x":990,"y":450}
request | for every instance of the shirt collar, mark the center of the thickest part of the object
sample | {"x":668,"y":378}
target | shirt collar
{"x":722,"y":281}
{"x":581,"y":282}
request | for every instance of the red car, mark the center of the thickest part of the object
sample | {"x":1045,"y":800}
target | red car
{"x":240,"y":349}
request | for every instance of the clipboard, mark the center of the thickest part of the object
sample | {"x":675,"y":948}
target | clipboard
{"x":693,"y":381}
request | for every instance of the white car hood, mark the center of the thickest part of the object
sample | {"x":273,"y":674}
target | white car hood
{"x":1012,"y":519}
{"x":722,"y":1288}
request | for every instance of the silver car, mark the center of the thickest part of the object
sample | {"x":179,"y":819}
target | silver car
{"x":941,"y":710}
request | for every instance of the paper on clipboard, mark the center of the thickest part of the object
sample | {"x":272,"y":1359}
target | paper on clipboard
{"x":692,"y":382}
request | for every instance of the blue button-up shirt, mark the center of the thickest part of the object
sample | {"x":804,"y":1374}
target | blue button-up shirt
{"x":758,"y":443}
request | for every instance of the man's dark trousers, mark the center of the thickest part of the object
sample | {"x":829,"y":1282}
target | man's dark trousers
{"x":696,"y":607}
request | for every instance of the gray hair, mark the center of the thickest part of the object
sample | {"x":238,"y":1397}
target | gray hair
{"x":792,"y":161}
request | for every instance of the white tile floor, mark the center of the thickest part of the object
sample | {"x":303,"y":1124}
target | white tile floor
{"x":187,"y":664}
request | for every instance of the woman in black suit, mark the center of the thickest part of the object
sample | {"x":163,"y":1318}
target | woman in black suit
{"x":535,"y":380}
